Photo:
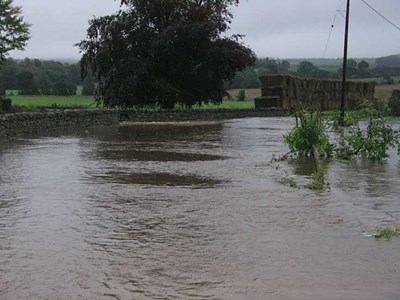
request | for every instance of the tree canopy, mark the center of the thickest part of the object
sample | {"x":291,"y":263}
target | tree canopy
{"x":164,"y":52}
{"x":14,"y":32}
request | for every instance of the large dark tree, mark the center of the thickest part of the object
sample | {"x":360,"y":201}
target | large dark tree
{"x":164,"y":52}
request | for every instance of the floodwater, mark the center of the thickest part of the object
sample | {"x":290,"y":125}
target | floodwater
{"x":191,"y":211}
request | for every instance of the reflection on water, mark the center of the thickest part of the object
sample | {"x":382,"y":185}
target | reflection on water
{"x":150,"y":155}
{"x":157,"y":179}
{"x":190,"y":211}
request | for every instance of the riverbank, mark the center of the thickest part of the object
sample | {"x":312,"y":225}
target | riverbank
{"x":36,"y":123}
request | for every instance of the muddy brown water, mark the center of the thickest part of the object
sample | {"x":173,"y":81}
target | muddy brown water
{"x":190,"y":211}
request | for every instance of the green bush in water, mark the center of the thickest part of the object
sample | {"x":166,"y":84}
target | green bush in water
{"x":310,"y":130}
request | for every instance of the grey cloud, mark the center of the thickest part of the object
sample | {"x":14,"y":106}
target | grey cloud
{"x":274,"y":28}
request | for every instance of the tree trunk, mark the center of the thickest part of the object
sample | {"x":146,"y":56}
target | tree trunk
{"x":315,"y":154}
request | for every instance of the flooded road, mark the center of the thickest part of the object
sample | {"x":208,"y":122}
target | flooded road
{"x":190,"y":211}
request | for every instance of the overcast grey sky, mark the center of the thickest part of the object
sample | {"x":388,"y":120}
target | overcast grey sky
{"x":272,"y":28}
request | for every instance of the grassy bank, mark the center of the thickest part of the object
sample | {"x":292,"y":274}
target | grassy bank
{"x":82,"y":101}
{"x":231,"y":104}
{"x":48,"y":101}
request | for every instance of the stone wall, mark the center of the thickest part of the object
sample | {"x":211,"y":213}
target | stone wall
{"x":198,"y":114}
{"x":28,"y":124}
{"x":25,"y":124}
{"x":316,"y":94}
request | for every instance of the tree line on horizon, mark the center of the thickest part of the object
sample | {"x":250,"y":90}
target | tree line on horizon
{"x":44,"y":77}
{"x":249,"y":78}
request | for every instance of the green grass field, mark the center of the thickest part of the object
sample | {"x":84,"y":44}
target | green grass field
{"x":82,"y":101}
{"x":48,"y":101}
{"x":231,"y":104}
{"x":379,"y":79}
{"x":382,"y":92}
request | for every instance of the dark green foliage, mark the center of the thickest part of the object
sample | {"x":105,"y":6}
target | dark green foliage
{"x":37,"y":77}
{"x":63,"y":88}
{"x":14,"y":32}
{"x":2,"y":89}
{"x":5,"y":104}
{"x":363,"y":65}
{"x":363,"y":69}
{"x":307,"y":69}
{"x":249,"y":77}
{"x":8,"y":74}
{"x":26,"y":85}
{"x":352,"y":68}
{"x":89,"y":87}
{"x":271,"y":66}
{"x":388,"y":80}
{"x":325,"y":70}
{"x":164,"y":52}
{"x":241,"y":96}
{"x":246,"y":79}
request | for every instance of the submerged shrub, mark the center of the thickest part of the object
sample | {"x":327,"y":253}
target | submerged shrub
{"x":371,"y":143}
{"x":310,"y":130}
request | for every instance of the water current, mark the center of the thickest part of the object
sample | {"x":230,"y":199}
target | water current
{"x":191,"y":211}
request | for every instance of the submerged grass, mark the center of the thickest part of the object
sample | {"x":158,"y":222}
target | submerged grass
{"x":317,"y":182}
{"x":387,"y":232}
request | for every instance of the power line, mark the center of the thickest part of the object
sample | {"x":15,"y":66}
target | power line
{"x":329,"y":36}
{"x":382,"y":16}
{"x":331,"y":29}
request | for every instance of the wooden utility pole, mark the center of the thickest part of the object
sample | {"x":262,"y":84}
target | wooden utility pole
{"x":346,"y":43}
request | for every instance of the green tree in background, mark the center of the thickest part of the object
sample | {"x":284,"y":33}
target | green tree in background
{"x":26,"y":84}
{"x":307,"y":69}
{"x":363,"y":69}
{"x":352,"y":68}
{"x":14,"y":32}
{"x":246,"y":79}
{"x":363,"y":65}
{"x":8,"y":74}
{"x":40,"y":77}
{"x":164,"y":52}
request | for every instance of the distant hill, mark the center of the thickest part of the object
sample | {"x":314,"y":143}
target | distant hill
{"x":328,"y":62}
{"x":70,"y":61}
{"x":392,"y":61}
